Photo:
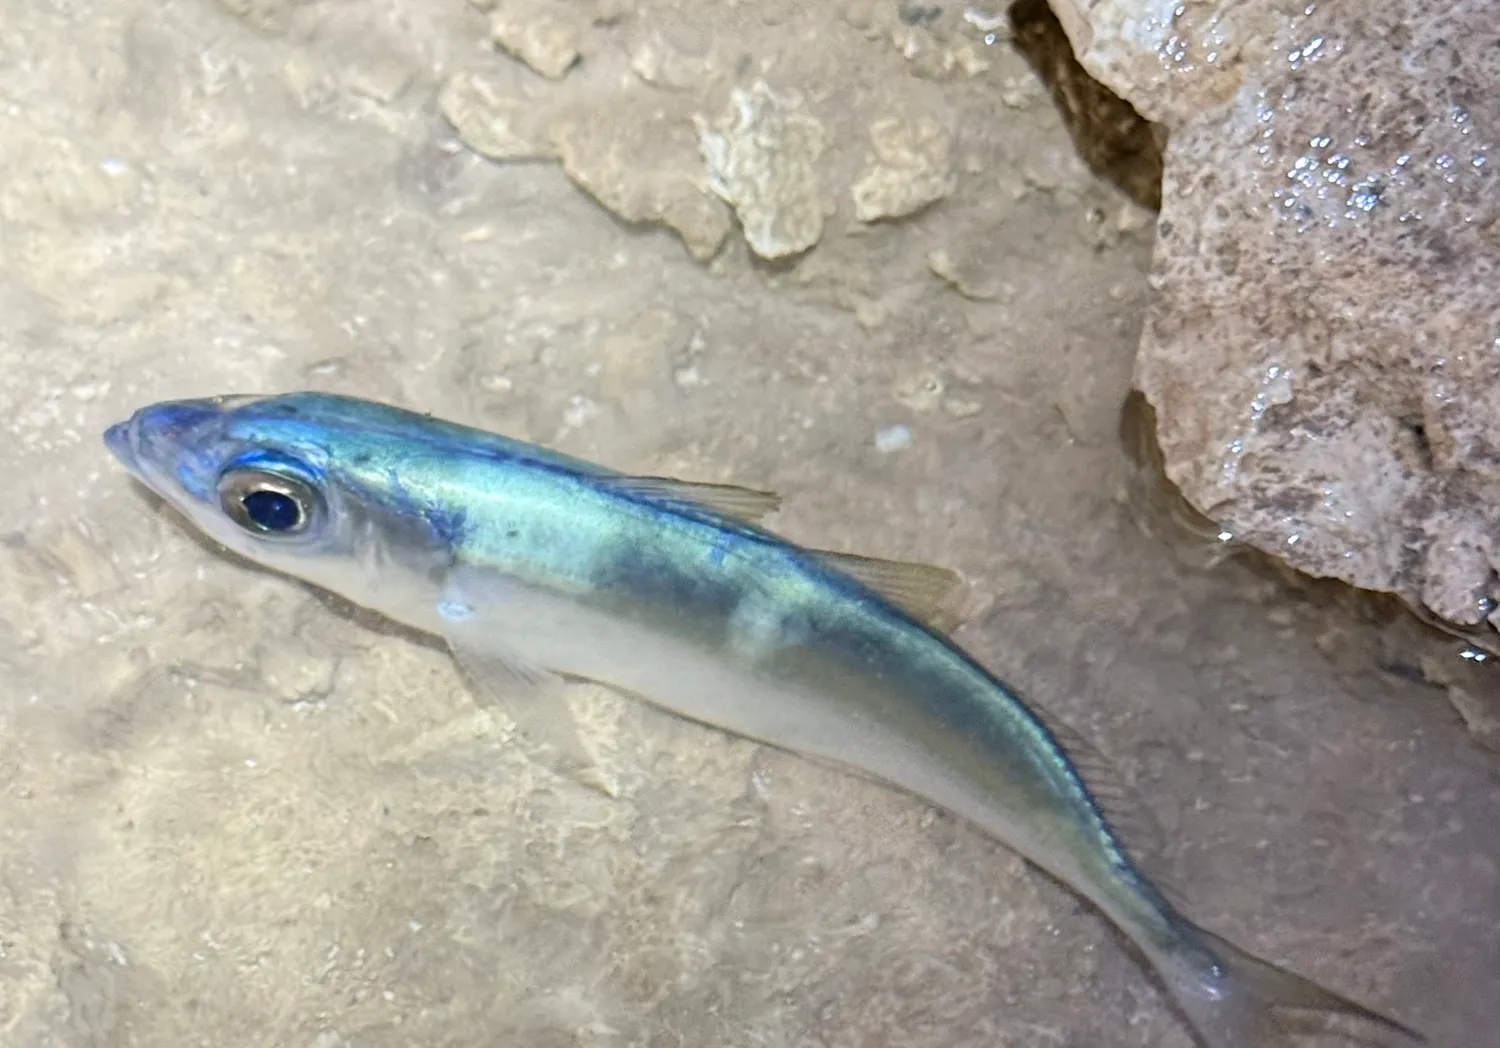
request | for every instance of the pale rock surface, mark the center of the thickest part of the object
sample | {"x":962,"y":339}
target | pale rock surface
{"x":763,"y":154}
{"x":1324,"y":350}
{"x":493,"y":122}
{"x":912,"y":168}
{"x":659,"y":61}
{"x":638,"y":158}
{"x":540,"y":35}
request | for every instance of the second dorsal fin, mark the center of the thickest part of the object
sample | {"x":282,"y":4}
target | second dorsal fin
{"x":727,"y":500}
{"x":929,"y":593}
{"x":1129,"y":817}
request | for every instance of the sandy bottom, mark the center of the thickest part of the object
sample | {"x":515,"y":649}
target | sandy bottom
{"x":233,"y":815}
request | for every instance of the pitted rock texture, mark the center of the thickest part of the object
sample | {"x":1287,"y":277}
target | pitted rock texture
{"x":1324,"y":350}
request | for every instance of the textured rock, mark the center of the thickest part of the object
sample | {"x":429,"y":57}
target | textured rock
{"x":762,"y":156}
{"x":640,"y":161}
{"x":967,"y":278}
{"x":912,"y":168}
{"x":538,"y":34}
{"x":658,"y":61}
{"x":491,"y":122}
{"x":1473,"y":690}
{"x":937,"y":41}
{"x":1323,"y":353}
{"x":269,"y":16}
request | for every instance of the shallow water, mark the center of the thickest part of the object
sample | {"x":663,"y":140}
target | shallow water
{"x":234,"y":814}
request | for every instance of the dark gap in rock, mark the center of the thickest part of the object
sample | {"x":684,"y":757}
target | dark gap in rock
{"x":1115,"y":141}
{"x":1420,"y":443}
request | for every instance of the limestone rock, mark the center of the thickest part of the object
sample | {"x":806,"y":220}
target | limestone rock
{"x":1324,"y":351}
{"x":268,"y":16}
{"x":640,"y":161}
{"x":762,"y":156}
{"x":939,"y":41}
{"x":538,"y":34}
{"x":967,"y":275}
{"x":658,"y":61}
{"x":491,"y":122}
{"x":913,"y":168}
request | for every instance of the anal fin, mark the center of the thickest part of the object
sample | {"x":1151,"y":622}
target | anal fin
{"x":1132,"y":822}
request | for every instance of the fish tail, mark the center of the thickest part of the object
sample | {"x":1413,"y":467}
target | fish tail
{"x":1236,"y":1000}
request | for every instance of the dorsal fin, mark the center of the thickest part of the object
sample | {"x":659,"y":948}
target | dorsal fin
{"x":1123,"y":808}
{"x":727,"y":500}
{"x":929,"y":593}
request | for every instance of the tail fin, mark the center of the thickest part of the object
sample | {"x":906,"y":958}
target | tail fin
{"x":1235,"y":1000}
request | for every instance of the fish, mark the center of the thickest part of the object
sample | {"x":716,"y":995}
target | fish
{"x":536,"y":568}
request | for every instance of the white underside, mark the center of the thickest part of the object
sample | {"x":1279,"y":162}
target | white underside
{"x":724,"y":691}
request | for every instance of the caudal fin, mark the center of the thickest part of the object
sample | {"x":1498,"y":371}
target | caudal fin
{"x":1235,"y":1000}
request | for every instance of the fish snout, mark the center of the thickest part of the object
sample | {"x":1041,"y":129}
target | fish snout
{"x":120,"y":440}
{"x":156,"y":435}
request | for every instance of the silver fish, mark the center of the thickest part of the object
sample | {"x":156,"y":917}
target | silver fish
{"x":535,"y":567}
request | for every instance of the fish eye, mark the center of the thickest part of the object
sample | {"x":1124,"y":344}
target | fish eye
{"x":267,"y":503}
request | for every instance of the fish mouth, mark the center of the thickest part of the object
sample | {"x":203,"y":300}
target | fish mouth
{"x":120,"y":439}
{"x":154,"y":436}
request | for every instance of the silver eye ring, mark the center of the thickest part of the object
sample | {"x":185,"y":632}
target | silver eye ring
{"x":266,"y":503}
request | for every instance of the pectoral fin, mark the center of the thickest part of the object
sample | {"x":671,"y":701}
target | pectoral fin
{"x":531,"y":695}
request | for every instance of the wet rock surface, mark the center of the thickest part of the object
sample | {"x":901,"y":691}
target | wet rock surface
{"x":233,"y":813}
{"x":1322,"y":348}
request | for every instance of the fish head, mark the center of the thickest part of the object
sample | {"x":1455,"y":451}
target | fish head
{"x":327,"y":489}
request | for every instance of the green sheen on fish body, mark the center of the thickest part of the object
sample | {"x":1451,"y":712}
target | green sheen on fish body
{"x":535,"y":567}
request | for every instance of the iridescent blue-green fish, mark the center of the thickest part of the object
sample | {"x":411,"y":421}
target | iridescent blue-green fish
{"x":536,"y":567}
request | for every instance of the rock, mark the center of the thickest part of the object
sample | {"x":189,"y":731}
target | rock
{"x":492,"y":123}
{"x":381,"y":77}
{"x":1172,"y":61}
{"x":296,"y":673}
{"x":912,"y":168}
{"x":636,"y":157}
{"x":934,"y":38}
{"x":658,"y":62}
{"x":969,"y":278}
{"x":268,"y":16}
{"x":1322,"y":353}
{"x":921,"y":391}
{"x":640,"y":161}
{"x":612,"y":12}
{"x":601,"y":12}
{"x":537,"y":34}
{"x":762,"y":156}
{"x":1473,"y":690}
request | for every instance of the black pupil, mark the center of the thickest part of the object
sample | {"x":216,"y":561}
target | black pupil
{"x":272,"y":510}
